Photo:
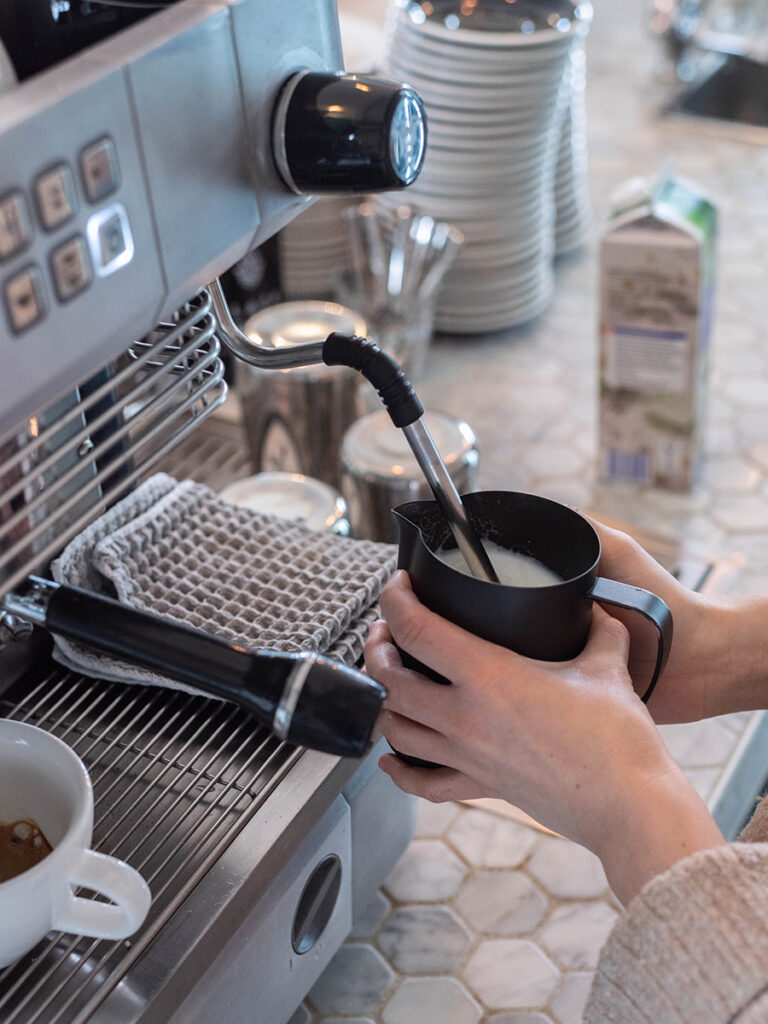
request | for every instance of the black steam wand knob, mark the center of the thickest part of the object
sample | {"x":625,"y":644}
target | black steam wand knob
{"x":339,"y":133}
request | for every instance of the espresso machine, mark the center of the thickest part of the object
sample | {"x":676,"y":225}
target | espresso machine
{"x":145,"y":147}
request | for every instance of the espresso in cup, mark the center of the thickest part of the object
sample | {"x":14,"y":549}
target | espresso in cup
{"x":22,"y":845}
{"x":46,"y":825}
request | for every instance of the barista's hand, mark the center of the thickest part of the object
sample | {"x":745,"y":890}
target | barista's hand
{"x":568,"y":742}
{"x":719,"y":657}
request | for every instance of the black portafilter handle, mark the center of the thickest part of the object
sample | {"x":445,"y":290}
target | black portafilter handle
{"x":304,"y":698}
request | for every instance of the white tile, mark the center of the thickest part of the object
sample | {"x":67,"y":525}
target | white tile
{"x":699,"y":744}
{"x":424,"y":939}
{"x":369,"y":916}
{"x":346,"y":1020}
{"x":511,"y":974}
{"x":428,"y":870}
{"x":752,"y":424}
{"x":501,"y":902}
{"x":730,"y":475}
{"x":758,"y":452}
{"x":355,"y":982}
{"x":567,"y":870}
{"x":518,"y":1018}
{"x":433,"y":819}
{"x":576,"y":492}
{"x":674,"y":504}
{"x":575,"y":933}
{"x":488,"y":841}
{"x":431,"y":1001}
{"x":703,"y":780}
{"x":744,"y":513}
{"x":748,"y":391}
{"x":567,"y":1004}
{"x":554,"y":460}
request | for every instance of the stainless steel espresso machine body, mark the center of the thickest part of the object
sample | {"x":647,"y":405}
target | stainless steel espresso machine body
{"x":132,"y":173}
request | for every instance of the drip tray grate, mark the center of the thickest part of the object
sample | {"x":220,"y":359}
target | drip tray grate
{"x":175,"y":777}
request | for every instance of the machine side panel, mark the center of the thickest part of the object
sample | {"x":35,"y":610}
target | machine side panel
{"x":270,"y":47}
{"x":191,"y":123}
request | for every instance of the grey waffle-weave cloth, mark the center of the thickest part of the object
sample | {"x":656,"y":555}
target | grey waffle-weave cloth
{"x":178,"y":550}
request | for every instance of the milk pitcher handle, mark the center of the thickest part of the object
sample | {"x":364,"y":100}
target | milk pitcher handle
{"x":650,"y":606}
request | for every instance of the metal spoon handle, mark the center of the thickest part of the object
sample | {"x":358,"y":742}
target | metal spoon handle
{"x":444,"y":490}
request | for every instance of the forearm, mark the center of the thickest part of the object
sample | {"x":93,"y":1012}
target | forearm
{"x":665,"y":820}
{"x":732,"y":655}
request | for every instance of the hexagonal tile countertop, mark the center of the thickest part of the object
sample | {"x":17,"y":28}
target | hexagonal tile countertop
{"x":486,"y":918}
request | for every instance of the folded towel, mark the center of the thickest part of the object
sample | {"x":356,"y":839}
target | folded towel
{"x":180,"y":551}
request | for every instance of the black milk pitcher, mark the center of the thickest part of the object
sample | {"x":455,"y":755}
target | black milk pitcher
{"x":549,"y":623}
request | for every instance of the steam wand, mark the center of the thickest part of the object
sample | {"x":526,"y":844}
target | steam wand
{"x":395,"y":391}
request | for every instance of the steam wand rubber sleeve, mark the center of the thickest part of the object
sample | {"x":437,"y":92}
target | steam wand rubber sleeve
{"x":380,"y":369}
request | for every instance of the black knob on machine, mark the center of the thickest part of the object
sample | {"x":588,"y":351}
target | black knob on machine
{"x":338,"y":133}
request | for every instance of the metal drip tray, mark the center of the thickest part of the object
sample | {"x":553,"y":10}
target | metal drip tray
{"x":211,"y":808}
{"x":175,"y":777}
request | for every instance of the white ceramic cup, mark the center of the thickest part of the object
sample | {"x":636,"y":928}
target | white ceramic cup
{"x":43,"y":779}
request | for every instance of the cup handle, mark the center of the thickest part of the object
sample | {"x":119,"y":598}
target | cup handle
{"x":114,"y":879}
{"x":650,"y":606}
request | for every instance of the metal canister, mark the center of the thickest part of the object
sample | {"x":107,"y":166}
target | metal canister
{"x":295,"y":419}
{"x":380,"y":472}
{"x":292,"y":496}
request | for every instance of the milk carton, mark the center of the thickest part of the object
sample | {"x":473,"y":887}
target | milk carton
{"x":657,"y":270}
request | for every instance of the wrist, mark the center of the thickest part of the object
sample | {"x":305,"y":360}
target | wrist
{"x":663,"y":820}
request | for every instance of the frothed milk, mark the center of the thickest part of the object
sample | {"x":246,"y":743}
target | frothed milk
{"x":512,"y":568}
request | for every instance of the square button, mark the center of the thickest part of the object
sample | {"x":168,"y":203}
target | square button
{"x":15,"y":225}
{"x":99,"y":169}
{"x":24,"y":299}
{"x":71,"y":268}
{"x":55,"y":194}
{"x":110,"y":239}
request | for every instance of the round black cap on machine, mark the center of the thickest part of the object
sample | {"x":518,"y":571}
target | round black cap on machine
{"x":337,"y":133}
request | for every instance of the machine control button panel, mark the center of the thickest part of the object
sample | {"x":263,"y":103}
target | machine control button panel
{"x":24,"y":299}
{"x":93,"y":243}
{"x":71,"y":267}
{"x":110,"y":239}
{"x":15,"y":225}
{"x":55,"y":195}
{"x":99,"y":169}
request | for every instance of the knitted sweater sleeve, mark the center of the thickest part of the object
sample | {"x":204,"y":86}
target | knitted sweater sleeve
{"x":692,"y":946}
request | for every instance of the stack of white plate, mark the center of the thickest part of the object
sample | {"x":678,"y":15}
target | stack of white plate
{"x":573,"y":207}
{"x":495,"y":79}
{"x":313,"y":250}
